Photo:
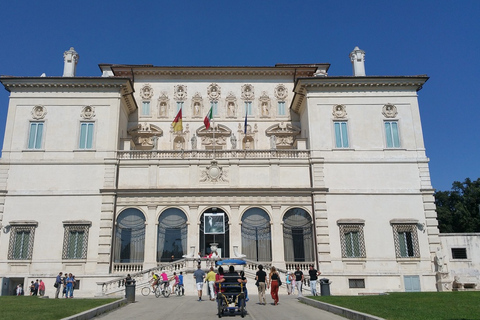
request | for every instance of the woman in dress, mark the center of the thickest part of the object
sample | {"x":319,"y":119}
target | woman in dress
{"x":273,"y":284}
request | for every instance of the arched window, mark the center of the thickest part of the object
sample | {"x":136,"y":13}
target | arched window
{"x":256,"y":235}
{"x":298,"y":236}
{"x":129,"y":243}
{"x":222,"y":239}
{"x":172,"y":235}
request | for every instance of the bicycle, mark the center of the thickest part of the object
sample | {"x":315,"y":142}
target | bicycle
{"x":164,"y":290}
{"x":146,"y":290}
{"x":178,"y":290}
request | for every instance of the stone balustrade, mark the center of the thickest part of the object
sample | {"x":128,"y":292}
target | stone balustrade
{"x":210,"y":154}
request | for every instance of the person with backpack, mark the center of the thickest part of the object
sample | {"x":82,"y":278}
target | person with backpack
{"x":58,"y":285}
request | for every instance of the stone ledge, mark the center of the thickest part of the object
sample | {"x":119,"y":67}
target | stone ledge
{"x":344,"y":312}
{"x":89,"y":314}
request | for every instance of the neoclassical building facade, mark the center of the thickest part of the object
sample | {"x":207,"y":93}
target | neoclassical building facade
{"x":297,"y":167}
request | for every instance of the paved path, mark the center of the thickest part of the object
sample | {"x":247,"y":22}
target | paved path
{"x":188,"y":308}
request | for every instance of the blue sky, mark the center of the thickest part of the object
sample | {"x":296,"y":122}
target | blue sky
{"x":438,"y":38}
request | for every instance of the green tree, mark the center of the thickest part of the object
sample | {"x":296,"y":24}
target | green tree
{"x":458,"y":210}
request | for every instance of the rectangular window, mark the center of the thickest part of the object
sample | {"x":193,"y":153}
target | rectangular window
{"x":406,"y":241}
{"x":75,"y":241}
{"x":179,"y":106}
{"x":248,"y":108}
{"x":459,"y":253}
{"x":352,"y":240}
{"x":356,"y":283}
{"x":86,"y":135}
{"x":341,"y":134}
{"x":21,"y":242}
{"x":391,"y":132}
{"x":281,"y":108}
{"x":146,"y":108}
{"x":214,"y":105}
{"x":35,"y":136}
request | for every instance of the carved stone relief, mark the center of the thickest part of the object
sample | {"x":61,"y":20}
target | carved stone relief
{"x":281,"y":92}
{"x":265,"y":107}
{"x":214,"y":173}
{"x":215,"y":137}
{"x":231,"y":102}
{"x":180,"y":92}
{"x":163,"y":105}
{"x":213,"y":92}
{"x":145,"y":135}
{"x":284,"y":133}
{"x":146,"y":92}
{"x":39,"y":112}
{"x":87,"y":113}
{"x":389,"y":110}
{"x":248,"y":92}
{"x":197,"y":105}
{"x":339,"y":111}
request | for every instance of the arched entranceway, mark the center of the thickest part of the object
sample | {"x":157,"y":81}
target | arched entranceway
{"x":129,"y":245}
{"x":256,"y":235}
{"x":214,"y":228}
{"x":171,"y":235}
{"x":298,"y":236}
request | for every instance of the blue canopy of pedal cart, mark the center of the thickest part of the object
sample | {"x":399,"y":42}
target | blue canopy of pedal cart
{"x":231,"y":262}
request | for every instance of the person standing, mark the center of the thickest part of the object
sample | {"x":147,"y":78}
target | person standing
{"x":298,"y":280}
{"x":199,"y":275}
{"x":41,"y":288}
{"x":260,"y":277}
{"x":273,"y":284}
{"x":288,"y":281}
{"x":313,"y":273}
{"x":32,"y":288}
{"x":58,"y":285}
{"x":69,"y":293}
{"x":19,"y":290}
{"x":35,"y":288}
{"x":210,"y":279}
{"x":219,"y":276}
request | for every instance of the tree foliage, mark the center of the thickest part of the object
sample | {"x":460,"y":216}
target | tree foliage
{"x":458,"y":210}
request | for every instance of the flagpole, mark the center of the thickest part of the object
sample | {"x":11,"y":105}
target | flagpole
{"x":213,"y":128}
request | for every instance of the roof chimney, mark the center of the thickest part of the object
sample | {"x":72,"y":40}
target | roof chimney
{"x":357,"y":57}
{"x":70,"y":59}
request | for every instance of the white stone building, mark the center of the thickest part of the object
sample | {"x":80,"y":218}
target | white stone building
{"x":298,"y":167}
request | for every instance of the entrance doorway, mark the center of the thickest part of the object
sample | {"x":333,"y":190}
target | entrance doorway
{"x":220,"y":236}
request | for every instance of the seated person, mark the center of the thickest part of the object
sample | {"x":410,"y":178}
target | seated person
{"x":232,"y":281}
{"x":165,"y":280}
{"x":154,"y":280}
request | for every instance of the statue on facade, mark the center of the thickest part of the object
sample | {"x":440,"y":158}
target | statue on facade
{"x":273,"y":142}
{"x":233,"y":141}
{"x":439,"y":259}
{"x":194,"y":142}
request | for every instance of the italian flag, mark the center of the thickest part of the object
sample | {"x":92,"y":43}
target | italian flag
{"x":208,"y":118}
{"x":177,"y":123}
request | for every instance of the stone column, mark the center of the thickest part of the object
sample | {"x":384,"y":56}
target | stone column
{"x":151,"y":227}
{"x":235,"y":229}
{"x":193,"y":229}
{"x":278,"y":253}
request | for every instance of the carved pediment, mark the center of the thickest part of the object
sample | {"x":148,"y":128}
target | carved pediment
{"x":285,"y":134}
{"x":145,"y":135}
{"x":218,"y":132}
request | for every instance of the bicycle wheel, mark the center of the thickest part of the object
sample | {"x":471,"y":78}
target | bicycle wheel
{"x":166,"y":292}
{"x":146,"y":291}
{"x":178,"y":290}
{"x":157,"y":292}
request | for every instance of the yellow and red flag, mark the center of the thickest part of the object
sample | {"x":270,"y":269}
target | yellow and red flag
{"x":177,"y":123}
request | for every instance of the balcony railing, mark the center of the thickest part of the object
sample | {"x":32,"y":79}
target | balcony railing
{"x":210,"y":154}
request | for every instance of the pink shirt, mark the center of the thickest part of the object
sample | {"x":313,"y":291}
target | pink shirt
{"x":164,"y":276}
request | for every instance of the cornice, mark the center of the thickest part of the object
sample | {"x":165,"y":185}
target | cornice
{"x":349,"y":84}
{"x":61,"y":84}
{"x":65,"y":83}
{"x":222,"y":71}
